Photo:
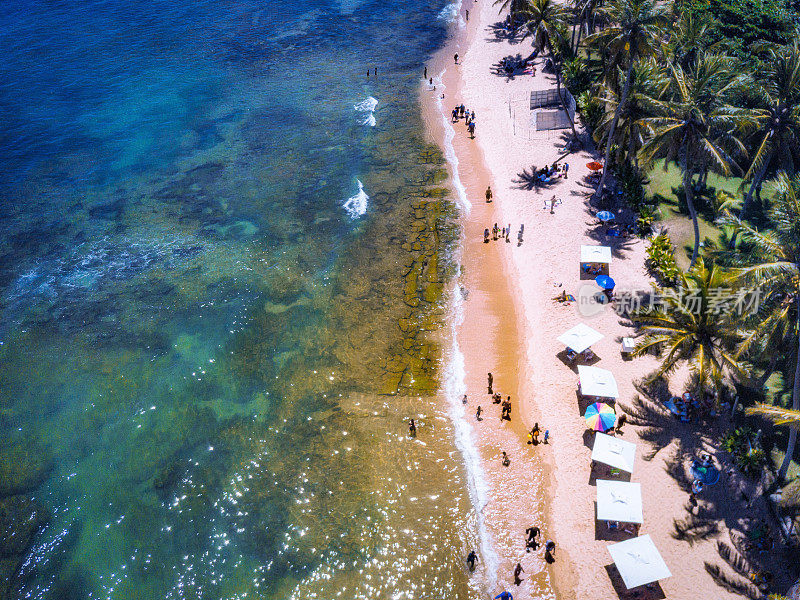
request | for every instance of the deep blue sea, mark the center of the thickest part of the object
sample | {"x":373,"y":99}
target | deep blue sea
{"x":222,"y":255}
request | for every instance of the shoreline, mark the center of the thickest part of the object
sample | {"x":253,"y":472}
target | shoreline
{"x":487,"y":327}
{"x":510,"y":325}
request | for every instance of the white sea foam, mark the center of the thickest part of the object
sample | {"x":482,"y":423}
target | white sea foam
{"x":452,"y":13}
{"x":368,"y":108}
{"x":455,"y":387}
{"x":450,"y":154}
{"x":357,"y":205}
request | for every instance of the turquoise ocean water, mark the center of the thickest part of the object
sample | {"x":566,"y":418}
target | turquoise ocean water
{"x":222,"y":255}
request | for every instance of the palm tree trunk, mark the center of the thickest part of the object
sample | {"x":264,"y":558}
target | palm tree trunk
{"x":689,"y":191}
{"x":578,"y":40}
{"x":787,"y":459}
{"x":561,"y":98}
{"x":613,"y":128}
{"x":748,"y":200}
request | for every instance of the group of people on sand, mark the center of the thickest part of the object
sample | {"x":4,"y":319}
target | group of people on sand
{"x":496,"y":233}
{"x":461,"y":112}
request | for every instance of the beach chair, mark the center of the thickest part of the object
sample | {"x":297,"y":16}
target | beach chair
{"x":628,"y":346}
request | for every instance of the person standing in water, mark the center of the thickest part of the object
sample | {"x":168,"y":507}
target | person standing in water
{"x":412,"y":428}
{"x":472,"y":557}
{"x":531,"y":542}
{"x":517,"y":570}
{"x":467,"y":14}
{"x":550,"y":551}
{"x":489,"y":376}
{"x":478,"y":413}
{"x":489,"y":194}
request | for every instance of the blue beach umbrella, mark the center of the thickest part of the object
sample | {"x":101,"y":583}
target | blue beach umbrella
{"x":606,"y":215}
{"x":605,"y":282}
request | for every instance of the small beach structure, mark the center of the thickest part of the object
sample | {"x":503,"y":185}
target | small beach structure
{"x":619,"y":501}
{"x":628,"y":346}
{"x":547,"y":112}
{"x":595,"y":381}
{"x":595,"y":255}
{"x":638,"y":561}
{"x":580,"y":338}
{"x":600,"y":417}
{"x":613,"y":452}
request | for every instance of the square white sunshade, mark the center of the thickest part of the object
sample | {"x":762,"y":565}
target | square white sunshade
{"x":597,"y":382}
{"x":619,"y":501}
{"x":580,"y":337}
{"x":613,"y":452}
{"x":595,"y":254}
{"x":638,"y":561}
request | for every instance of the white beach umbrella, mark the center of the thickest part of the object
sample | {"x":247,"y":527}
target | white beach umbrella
{"x":613,"y":452}
{"x":619,"y":501}
{"x":597,"y":382}
{"x":638,"y":561}
{"x":595,"y":254}
{"x":580,"y":337}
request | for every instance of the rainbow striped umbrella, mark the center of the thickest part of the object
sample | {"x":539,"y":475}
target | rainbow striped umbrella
{"x":600,"y":417}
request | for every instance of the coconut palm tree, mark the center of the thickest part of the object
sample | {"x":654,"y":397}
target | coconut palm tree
{"x":635,"y":30}
{"x":693,"y":125}
{"x":546,"y":23}
{"x":647,"y":81}
{"x":689,"y":38}
{"x":778,"y":117}
{"x":685,"y":325}
{"x":585,"y":11}
{"x":515,"y":7}
{"x":776,"y":272}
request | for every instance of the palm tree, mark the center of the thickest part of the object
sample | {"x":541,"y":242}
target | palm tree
{"x":778,"y":117}
{"x":631,"y":131}
{"x":685,"y":324}
{"x":776,"y":272}
{"x":689,"y":38}
{"x":637,"y":28}
{"x":695,"y":127}
{"x":546,"y":23}
{"x":514,"y":8}
{"x":585,"y":11}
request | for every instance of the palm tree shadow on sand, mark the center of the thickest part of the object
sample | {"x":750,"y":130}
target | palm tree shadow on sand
{"x":529,"y":180}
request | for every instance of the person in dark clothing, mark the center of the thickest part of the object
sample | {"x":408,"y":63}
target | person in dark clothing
{"x":489,"y":376}
{"x":506,"y":460}
{"x":471,"y":559}
{"x":531,"y":542}
{"x":517,"y":570}
{"x":412,"y":428}
{"x":478,"y":413}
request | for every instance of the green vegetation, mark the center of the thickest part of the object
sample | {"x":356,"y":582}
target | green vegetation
{"x":661,"y":259}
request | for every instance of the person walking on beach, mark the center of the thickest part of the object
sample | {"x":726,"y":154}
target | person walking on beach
{"x":519,"y":234}
{"x":486,"y":236}
{"x":535,"y":434}
{"x":425,"y":74}
{"x":464,"y":399}
{"x":546,"y":436}
{"x":489,"y":194}
{"x":517,"y":570}
{"x":506,"y":460}
{"x":478,"y":413}
{"x":495,"y":231}
{"x":489,"y":376}
{"x":471,"y":129}
{"x":455,"y":57}
{"x":550,"y":551}
{"x":471,"y":558}
{"x":467,"y":14}
{"x":531,"y":542}
{"x":412,"y":428}
{"x":508,"y":233}
{"x":566,"y":169}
